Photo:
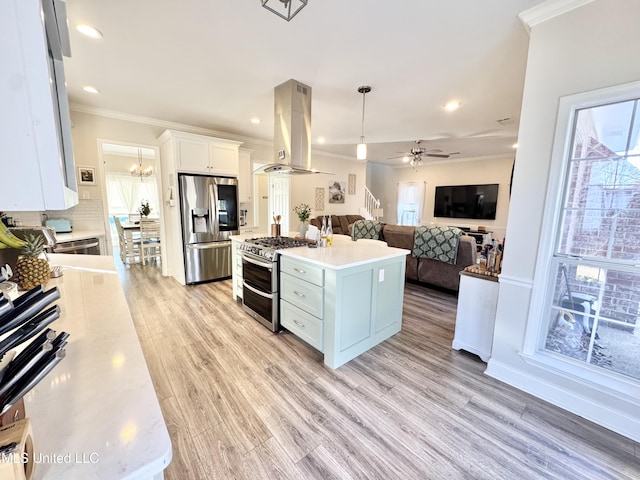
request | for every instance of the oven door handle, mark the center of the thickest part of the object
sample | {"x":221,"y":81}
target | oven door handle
{"x":267,"y":265}
{"x":256,"y":291}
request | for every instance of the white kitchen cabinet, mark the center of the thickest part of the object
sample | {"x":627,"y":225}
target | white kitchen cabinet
{"x":475,"y":318}
{"x":245,"y":176}
{"x":38,"y":169}
{"x":194,"y":153}
{"x":236,"y":268}
{"x":223,"y":159}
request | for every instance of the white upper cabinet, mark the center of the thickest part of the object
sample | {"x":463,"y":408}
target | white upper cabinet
{"x":223,"y":159}
{"x":192,"y":155}
{"x":245,"y":176}
{"x":38,"y":171}
{"x":201,"y":154}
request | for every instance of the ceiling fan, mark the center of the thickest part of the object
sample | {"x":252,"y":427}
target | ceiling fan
{"x":414,"y":156}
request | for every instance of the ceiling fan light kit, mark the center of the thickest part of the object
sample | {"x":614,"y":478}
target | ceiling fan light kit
{"x":287,"y":10}
{"x":414,"y":156}
{"x":361,"y":149}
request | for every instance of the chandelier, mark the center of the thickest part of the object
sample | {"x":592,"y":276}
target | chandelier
{"x":287,"y":10}
{"x":137,"y":170}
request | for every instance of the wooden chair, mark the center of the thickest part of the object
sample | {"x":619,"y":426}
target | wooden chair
{"x":129,"y":246}
{"x":150,"y":244}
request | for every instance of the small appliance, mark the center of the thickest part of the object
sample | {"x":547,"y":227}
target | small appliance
{"x":60,"y":225}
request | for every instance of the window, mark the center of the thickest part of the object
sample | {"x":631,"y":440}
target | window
{"x":410,"y":202}
{"x":593,"y":302}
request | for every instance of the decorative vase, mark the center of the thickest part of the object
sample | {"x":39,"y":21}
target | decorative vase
{"x":302,"y":229}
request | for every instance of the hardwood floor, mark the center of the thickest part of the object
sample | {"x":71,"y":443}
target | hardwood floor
{"x":243,"y":403}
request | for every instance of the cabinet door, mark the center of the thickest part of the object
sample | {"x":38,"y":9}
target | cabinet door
{"x":245,"y":177}
{"x":193,"y":155}
{"x":223,"y":160}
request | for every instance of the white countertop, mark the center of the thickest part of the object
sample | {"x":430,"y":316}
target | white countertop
{"x":79,"y":235}
{"x":344,"y":254}
{"x":99,"y":403}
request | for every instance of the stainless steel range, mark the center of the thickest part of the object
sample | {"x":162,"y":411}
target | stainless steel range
{"x":260,"y":274}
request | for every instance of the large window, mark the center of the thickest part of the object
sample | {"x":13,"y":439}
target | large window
{"x":410,"y":202}
{"x":593,"y":308}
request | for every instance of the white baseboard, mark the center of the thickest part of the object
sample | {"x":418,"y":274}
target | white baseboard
{"x":596,"y":412}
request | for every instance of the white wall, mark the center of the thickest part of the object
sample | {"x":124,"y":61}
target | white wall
{"x":592,"y":47}
{"x":383,"y":181}
{"x":303,"y":186}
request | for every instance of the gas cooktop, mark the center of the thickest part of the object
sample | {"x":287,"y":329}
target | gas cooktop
{"x":268,"y":246}
{"x":278,"y":242}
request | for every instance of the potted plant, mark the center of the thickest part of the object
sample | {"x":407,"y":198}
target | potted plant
{"x":144,"y":209}
{"x":303,"y":211}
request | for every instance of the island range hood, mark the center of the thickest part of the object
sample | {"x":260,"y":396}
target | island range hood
{"x":292,"y":130}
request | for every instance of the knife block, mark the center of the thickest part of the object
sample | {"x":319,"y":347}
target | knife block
{"x":17,"y":465}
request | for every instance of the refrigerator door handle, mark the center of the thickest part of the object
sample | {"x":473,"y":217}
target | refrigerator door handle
{"x":213,"y":197}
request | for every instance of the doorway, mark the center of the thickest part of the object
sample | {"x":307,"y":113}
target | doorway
{"x":131,"y":174}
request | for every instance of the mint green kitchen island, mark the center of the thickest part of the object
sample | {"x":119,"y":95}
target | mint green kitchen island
{"x":344,"y":299}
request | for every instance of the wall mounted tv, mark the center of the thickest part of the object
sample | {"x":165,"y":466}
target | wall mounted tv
{"x":466,"y":201}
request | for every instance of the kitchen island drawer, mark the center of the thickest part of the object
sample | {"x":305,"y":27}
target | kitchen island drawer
{"x":305,"y":295}
{"x":301,"y":324}
{"x":302,"y":270}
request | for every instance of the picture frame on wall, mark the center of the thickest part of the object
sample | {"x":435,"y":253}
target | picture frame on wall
{"x":87,"y":176}
{"x":337,"y":191}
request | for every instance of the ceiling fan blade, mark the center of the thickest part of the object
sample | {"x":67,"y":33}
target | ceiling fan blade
{"x":402,"y":156}
{"x":442,"y":155}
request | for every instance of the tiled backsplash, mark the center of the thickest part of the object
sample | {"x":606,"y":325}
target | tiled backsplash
{"x":87,"y":215}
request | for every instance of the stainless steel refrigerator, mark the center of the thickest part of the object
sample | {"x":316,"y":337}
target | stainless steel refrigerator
{"x":209,"y":208}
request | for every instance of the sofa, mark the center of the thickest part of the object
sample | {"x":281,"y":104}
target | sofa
{"x":426,"y":270}
{"x":339,"y":223}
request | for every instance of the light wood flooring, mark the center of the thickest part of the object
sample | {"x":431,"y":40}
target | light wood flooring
{"x":243,"y":403}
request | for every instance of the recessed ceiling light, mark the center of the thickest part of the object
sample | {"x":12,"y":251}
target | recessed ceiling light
{"x":322,"y":140}
{"x":452,"y":105}
{"x":90,"y":89}
{"x":89,"y":30}
{"x":255,"y":120}
{"x":515,"y":145}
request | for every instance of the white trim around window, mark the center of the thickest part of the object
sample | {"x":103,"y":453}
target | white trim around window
{"x":532,"y":351}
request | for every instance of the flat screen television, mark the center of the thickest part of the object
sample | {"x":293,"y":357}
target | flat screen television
{"x":466,"y":201}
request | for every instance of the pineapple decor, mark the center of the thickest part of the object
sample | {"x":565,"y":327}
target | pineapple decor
{"x":32,"y":271}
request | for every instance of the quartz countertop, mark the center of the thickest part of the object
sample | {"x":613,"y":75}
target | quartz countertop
{"x":79,"y":235}
{"x":345,"y":254}
{"x":97,"y":409}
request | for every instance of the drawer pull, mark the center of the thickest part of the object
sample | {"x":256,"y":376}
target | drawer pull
{"x":299,"y":294}
{"x":301,"y":325}
{"x":299,"y":270}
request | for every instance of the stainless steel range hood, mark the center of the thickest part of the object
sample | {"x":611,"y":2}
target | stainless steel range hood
{"x":292,"y":130}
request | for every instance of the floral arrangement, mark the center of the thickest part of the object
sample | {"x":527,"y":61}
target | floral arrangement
{"x":144,"y":209}
{"x":303,"y":211}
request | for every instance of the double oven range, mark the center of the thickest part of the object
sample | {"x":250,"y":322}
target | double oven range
{"x":260,"y":277}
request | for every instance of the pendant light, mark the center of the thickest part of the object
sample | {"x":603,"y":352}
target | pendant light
{"x":361,"y":149}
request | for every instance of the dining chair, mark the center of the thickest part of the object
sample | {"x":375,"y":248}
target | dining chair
{"x":129,"y":246}
{"x":150,"y":244}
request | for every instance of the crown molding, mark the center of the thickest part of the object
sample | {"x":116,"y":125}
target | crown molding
{"x":548,"y":10}
{"x":128,"y":117}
